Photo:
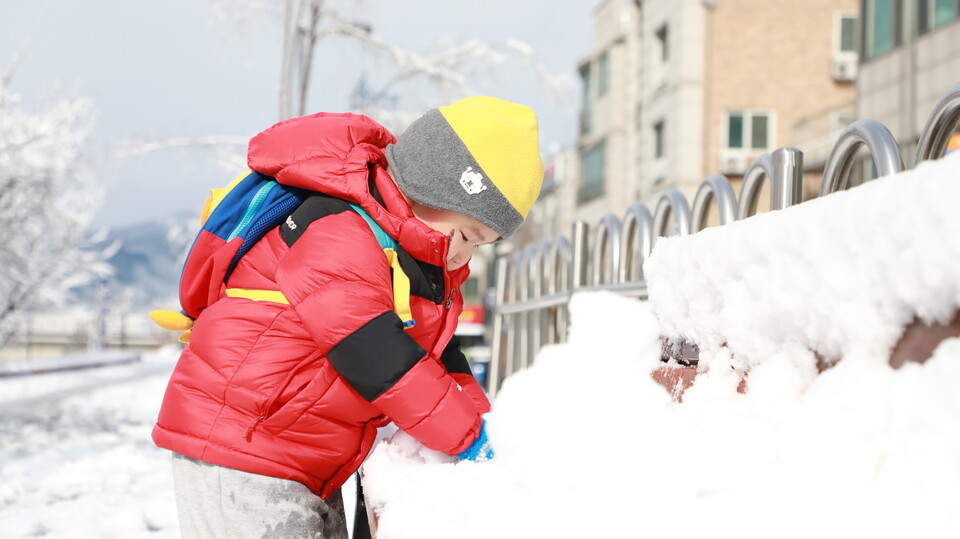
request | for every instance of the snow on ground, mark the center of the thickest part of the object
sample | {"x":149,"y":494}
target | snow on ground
{"x":76,"y":458}
{"x":589,"y":446}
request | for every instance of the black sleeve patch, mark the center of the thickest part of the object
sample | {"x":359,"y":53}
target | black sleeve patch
{"x":373,"y":358}
{"x":453,"y":358}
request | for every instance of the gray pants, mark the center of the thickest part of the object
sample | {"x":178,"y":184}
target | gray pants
{"x":215,"y":502}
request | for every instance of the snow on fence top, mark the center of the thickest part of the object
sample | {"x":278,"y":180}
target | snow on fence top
{"x":535,"y":285}
{"x":840,"y":275}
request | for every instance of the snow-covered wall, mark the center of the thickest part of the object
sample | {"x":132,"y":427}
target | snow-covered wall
{"x":840,"y":275}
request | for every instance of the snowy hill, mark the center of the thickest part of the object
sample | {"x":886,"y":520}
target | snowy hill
{"x":150,"y":257}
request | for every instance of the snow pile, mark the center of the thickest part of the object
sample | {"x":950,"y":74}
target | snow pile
{"x":589,"y":446}
{"x":841,"y":275}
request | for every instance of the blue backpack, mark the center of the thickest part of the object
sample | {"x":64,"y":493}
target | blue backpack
{"x":233,"y":220}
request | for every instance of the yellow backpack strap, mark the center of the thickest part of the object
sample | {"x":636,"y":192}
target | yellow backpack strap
{"x":401,"y":283}
{"x":275,"y":296}
{"x":401,"y":289}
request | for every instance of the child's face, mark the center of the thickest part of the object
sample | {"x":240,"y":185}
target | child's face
{"x":466,"y":233}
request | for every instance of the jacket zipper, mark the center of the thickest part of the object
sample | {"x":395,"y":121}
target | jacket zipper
{"x":252,"y":208}
{"x":247,"y":434}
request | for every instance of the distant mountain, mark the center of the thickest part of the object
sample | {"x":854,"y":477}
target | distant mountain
{"x":148,"y":262}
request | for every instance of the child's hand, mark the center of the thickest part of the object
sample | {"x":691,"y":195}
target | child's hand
{"x":479,"y":450}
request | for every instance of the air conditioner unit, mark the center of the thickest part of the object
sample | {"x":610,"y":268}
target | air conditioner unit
{"x":844,"y":68}
{"x":733,"y":164}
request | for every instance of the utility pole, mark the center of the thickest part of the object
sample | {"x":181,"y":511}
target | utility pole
{"x":301,"y":20}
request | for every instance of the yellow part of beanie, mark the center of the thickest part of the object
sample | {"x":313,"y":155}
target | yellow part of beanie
{"x":503,"y":138}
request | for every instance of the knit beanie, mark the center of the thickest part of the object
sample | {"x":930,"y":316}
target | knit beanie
{"x":479,"y":156}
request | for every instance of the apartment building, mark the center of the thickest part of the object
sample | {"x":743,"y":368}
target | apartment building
{"x":910,"y":56}
{"x":675,"y":90}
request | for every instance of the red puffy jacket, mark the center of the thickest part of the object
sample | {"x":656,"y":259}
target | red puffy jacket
{"x":297,"y":390}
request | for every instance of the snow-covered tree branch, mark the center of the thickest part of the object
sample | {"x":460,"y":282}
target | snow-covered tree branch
{"x":46,"y":204}
{"x":229,"y":150}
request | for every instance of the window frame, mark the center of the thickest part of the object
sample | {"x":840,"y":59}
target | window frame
{"x":660,"y":139}
{"x":662,"y":35}
{"x":587,"y":104}
{"x":838,"y":19}
{"x":925,"y":14}
{"x":748,"y":116}
{"x":588,"y":191}
{"x":868,"y":33}
{"x":603,"y":73}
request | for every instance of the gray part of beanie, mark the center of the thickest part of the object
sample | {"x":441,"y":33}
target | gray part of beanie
{"x":433,"y":166}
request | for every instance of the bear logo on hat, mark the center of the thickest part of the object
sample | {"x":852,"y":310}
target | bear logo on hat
{"x":472,"y":182}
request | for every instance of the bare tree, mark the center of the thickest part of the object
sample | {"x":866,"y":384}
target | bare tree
{"x":307,"y":23}
{"x":46,"y":205}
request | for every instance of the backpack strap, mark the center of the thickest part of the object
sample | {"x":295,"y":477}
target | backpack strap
{"x":178,"y":321}
{"x":401,"y":289}
{"x":275,"y":296}
{"x":401,"y":282}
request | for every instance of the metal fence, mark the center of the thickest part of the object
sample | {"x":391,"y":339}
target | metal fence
{"x":534,"y":285}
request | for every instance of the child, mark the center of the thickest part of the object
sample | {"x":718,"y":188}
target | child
{"x":276,"y":400}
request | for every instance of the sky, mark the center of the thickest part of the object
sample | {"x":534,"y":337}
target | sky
{"x":587,"y":444}
{"x":183,"y":68}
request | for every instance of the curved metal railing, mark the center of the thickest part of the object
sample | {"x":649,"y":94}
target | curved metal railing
{"x":605,"y":256}
{"x":870,"y":133}
{"x":534,"y":285}
{"x":671,"y":204}
{"x":715,"y":187}
{"x":637,"y":236}
{"x":941,"y":124}
{"x":784,"y":168}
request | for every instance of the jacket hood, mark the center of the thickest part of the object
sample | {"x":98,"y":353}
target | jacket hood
{"x":339,"y":154}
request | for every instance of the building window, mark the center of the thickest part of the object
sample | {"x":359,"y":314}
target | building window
{"x":882,"y":33}
{"x":586,"y":107}
{"x":592,"y":173}
{"x":603,"y":73}
{"x":747,"y":130}
{"x":735,"y":130}
{"x":935,"y":13}
{"x":944,"y":11}
{"x":659,"y":136}
{"x":847,"y":33}
{"x":663,"y":43}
